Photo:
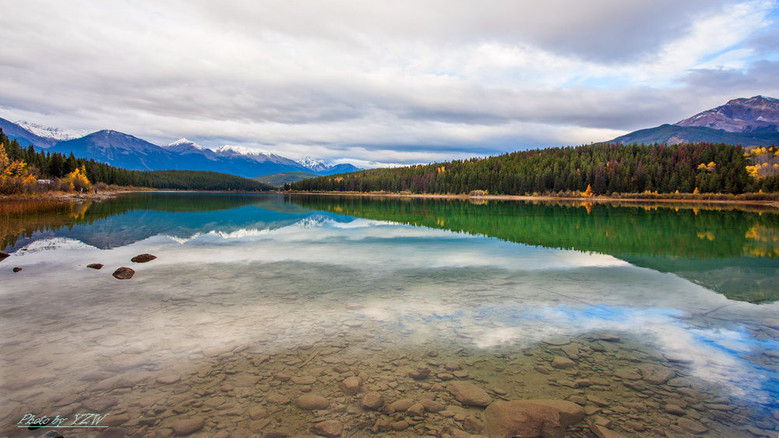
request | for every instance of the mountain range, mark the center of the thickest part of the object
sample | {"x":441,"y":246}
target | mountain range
{"x":744,"y":121}
{"x":129,"y":152}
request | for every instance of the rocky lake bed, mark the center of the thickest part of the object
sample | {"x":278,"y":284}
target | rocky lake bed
{"x":347,"y":384}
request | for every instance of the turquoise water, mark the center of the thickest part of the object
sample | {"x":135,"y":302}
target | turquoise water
{"x":245,"y":288}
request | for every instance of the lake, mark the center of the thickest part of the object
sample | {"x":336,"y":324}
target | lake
{"x":350,"y":316}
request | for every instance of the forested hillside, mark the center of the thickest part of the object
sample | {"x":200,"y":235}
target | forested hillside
{"x":604,"y":168}
{"x":25,"y":166}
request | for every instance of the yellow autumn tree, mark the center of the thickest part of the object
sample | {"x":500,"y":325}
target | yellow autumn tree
{"x":588,"y":193}
{"x":77,"y":180}
{"x":15,"y":177}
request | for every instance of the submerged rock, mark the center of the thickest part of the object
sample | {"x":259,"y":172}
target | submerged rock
{"x":562,"y":363}
{"x":143,"y":258}
{"x":400,"y":405}
{"x":124,"y":273}
{"x":312,"y":402}
{"x":692,"y":426}
{"x":168,"y":379}
{"x":257,"y":413}
{"x":351,"y":385}
{"x":544,"y":418}
{"x":419,"y":373}
{"x":628,"y":374}
{"x":16,"y":269}
{"x":188,"y":426}
{"x":557,"y":341}
{"x":303,"y":380}
{"x":570,"y":413}
{"x":656,"y":374}
{"x":372,"y":400}
{"x":417,"y":410}
{"x":468,"y":394}
{"x":603,"y":432}
{"x":328,"y":428}
{"x":95,"y":266}
{"x":432,"y":405}
{"x":399,"y":425}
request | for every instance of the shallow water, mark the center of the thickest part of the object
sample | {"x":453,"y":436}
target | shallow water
{"x":254,"y":301}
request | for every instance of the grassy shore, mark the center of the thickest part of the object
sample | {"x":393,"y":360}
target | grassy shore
{"x":98,"y":195}
{"x":708,"y":199}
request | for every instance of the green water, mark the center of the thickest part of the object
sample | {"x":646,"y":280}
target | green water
{"x":734,"y":252}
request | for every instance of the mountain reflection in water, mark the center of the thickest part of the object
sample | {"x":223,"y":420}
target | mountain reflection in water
{"x":733,"y":252}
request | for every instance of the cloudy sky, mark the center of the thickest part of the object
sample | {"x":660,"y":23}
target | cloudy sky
{"x":381,"y":82}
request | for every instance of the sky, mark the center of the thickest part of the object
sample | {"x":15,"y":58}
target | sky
{"x":381,"y":83}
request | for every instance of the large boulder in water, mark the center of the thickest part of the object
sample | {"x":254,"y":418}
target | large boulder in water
{"x":143,"y":258}
{"x":4,"y":255}
{"x":536,"y":418}
{"x":124,"y":273}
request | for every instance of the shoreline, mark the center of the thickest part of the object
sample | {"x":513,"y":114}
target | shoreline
{"x":63,"y":196}
{"x":548,"y":198}
{"x":109,"y":194}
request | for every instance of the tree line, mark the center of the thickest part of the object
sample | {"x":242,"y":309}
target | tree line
{"x":26,"y":166}
{"x":605,"y":168}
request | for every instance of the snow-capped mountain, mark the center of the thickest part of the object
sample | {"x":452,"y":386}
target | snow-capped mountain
{"x":184,"y":145}
{"x":23,"y":136}
{"x":50,"y":132}
{"x":322,"y":168}
{"x":314,"y":165}
{"x":256,"y":155}
{"x":129,"y":152}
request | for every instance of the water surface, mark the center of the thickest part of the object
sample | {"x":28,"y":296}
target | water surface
{"x":256,"y":300}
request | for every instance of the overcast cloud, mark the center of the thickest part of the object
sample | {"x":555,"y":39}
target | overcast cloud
{"x":376,"y":83}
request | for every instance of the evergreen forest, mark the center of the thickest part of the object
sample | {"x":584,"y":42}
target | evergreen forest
{"x":601,"y":169}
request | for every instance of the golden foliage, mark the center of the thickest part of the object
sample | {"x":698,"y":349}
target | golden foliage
{"x":15,"y":177}
{"x":763,"y":162}
{"x":77,"y":180}
{"x":588,"y":193}
{"x":708,"y":167}
{"x":3,"y":158}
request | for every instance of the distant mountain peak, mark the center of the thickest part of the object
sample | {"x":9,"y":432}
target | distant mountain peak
{"x":50,"y":132}
{"x":184,"y":143}
{"x":240,"y":150}
{"x":256,"y":155}
{"x":757,"y":114}
{"x":314,"y":164}
{"x":746,"y":121}
{"x":754,"y":100}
